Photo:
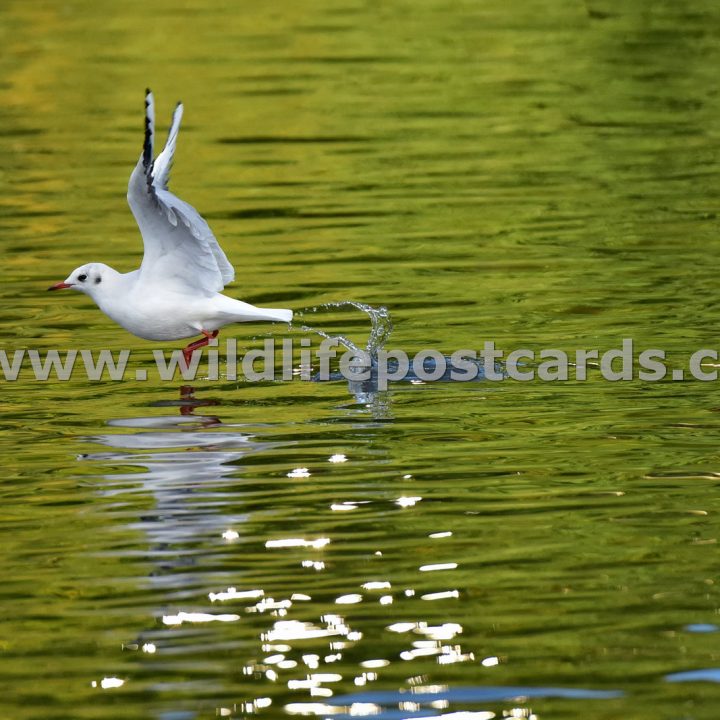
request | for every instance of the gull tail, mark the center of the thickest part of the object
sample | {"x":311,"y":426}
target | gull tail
{"x":274,"y":315}
{"x":232,"y":310}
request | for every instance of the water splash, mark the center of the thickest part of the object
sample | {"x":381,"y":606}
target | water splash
{"x":381,"y":326}
{"x":349,"y":344}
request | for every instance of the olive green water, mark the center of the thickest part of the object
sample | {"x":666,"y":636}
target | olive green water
{"x":540,"y":174}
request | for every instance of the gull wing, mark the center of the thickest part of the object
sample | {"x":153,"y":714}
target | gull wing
{"x":180,"y":249}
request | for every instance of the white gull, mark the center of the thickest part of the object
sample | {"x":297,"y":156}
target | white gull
{"x":175,"y":293}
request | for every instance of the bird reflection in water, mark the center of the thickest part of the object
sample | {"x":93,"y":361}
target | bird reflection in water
{"x":187,"y":404}
{"x":184,"y":462}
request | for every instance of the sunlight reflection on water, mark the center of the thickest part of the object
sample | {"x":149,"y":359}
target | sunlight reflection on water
{"x":291,"y":650}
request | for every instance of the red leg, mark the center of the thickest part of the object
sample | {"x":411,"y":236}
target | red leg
{"x":187,"y":398}
{"x":188,"y":403}
{"x":193,"y":346}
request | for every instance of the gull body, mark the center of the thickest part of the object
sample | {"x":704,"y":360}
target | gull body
{"x":175,"y":293}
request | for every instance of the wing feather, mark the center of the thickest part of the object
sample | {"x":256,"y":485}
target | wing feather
{"x":180,"y":249}
{"x":163,"y":163}
{"x":147,"y":155}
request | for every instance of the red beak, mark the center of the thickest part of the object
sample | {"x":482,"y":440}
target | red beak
{"x":60,"y":286}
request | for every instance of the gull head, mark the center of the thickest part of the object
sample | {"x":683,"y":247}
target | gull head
{"x":91,"y":279}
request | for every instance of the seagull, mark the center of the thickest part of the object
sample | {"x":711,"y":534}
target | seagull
{"x":176,"y":291}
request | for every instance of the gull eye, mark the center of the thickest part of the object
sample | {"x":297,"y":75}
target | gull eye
{"x":82,"y":278}
{"x":98,"y":280}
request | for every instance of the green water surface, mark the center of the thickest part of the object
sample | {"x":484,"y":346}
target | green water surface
{"x":539,"y":174}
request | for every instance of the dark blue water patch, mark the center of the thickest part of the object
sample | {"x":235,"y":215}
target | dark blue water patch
{"x":480,"y":693}
{"x":705,"y":675}
{"x":388,"y":714}
{"x":701,"y":628}
{"x":463,"y":695}
{"x":432,"y":371}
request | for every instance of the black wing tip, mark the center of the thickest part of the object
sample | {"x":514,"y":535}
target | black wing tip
{"x":148,"y":142}
{"x":148,"y":91}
